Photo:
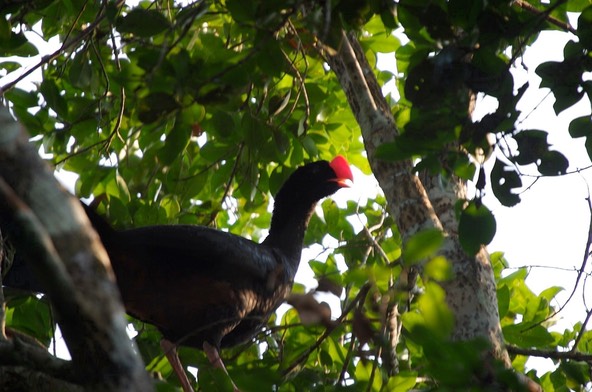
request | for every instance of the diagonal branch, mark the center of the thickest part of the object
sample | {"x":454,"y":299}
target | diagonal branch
{"x":413,"y":209}
{"x":51,"y":232}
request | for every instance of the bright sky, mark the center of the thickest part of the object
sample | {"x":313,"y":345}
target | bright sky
{"x":549,"y":228}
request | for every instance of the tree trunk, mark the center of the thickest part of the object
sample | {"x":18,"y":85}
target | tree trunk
{"x":471,"y":293}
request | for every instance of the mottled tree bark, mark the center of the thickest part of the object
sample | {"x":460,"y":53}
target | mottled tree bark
{"x":471,"y":293}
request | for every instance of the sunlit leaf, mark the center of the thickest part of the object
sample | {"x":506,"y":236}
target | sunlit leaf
{"x":422,"y":245}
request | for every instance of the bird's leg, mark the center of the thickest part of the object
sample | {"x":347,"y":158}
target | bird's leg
{"x":214,"y":358}
{"x":170,"y":351}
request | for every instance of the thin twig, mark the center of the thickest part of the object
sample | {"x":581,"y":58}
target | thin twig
{"x":552,"y":354}
{"x":580,"y":271}
{"x":121,"y":92}
{"x":348,"y":358}
{"x":582,"y":331}
{"x":585,"y":258}
{"x":377,"y":356}
{"x":228,"y":183}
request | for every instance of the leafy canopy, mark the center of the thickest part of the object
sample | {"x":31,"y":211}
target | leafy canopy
{"x":196,"y":113}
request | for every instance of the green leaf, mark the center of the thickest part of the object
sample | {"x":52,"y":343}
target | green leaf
{"x":566,"y":98}
{"x":465,"y":12}
{"x":175,"y":143}
{"x":436,"y":315}
{"x":588,"y":146}
{"x":476,"y":227}
{"x":382,"y":42}
{"x":155,"y":105}
{"x":503,"y":300}
{"x":5,"y":29}
{"x":214,"y":152}
{"x":31,"y":316}
{"x":422,"y":245}
{"x":532,"y":145}
{"x":553,"y":163}
{"x":331,"y":213}
{"x":10,"y":66}
{"x":438,"y":269}
{"x":464,"y":168}
{"x":220,"y":123}
{"x":17,"y":45}
{"x":388,"y":17}
{"x":171,"y":206}
{"x":402,"y":382}
{"x":242,"y":11}
{"x":550,"y":293}
{"x":548,"y":72}
{"x":517,"y":276}
{"x":504,"y":179}
{"x":576,"y":5}
{"x":54,"y":98}
{"x":81,"y":72}
{"x":143,"y":23}
{"x":525,"y":335}
{"x":310,"y":146}
{"x":584,"y":29}
{"x":26,"y":99}
{"x":580,"y":127}
{"x":577,"y":371}
{"x":499,"y":263}
{"x":395,"y":151}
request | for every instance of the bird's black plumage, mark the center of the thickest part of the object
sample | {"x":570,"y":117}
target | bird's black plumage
{"x":198,"y":284}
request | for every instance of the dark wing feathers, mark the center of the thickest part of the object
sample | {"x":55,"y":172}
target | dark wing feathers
{"x":233,"y":281}
{"x":197,"y":250}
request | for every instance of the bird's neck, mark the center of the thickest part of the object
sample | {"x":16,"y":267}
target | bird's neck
{"x":288,"y":226}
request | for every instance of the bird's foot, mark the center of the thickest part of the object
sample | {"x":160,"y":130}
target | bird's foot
{"x":214,"y":358}
{"x":170,"y":351}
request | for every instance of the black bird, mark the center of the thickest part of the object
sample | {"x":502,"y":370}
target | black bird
{"x":210,"y":289}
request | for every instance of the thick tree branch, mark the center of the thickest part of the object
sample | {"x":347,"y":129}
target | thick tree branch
{"x":52,"y":233}
{"x":17,"y":351}
{"x":412,"y":209}
{"x":28,"y":234}
{"x":472,"y":290}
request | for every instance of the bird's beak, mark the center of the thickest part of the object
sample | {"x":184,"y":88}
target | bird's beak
{"x":344,"y":174}
{"x":343,"y":182}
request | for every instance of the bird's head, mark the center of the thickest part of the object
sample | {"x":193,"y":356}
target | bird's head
{"x":319,"y":179}
{"x":296,"y":200}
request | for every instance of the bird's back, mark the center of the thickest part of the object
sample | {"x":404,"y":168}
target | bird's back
{"x":198,"y":284}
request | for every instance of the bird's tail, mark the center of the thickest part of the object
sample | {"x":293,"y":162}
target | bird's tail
{"x":101,"y":226}
{"x":19,"y":275}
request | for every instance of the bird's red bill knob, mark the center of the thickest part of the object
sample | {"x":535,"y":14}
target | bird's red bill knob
{"x":342,"y":170}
